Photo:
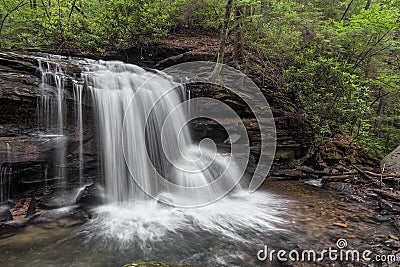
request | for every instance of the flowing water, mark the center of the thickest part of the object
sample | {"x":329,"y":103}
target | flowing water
{"x":147,"y":155}
{"x":230,"y":232}
{"x":144,"y":150}
{"x":141,"y":136}
{"x":78,"y":99}
{"x":51,"y":112}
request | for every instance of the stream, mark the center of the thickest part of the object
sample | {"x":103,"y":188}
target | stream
{"x":282,"y":215}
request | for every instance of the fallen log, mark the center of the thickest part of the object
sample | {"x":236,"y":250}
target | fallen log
{"x":391,"y":180}
{"x":308,"y":170}
{"x":387,"y":194}
{"x":390,"y":175}
{"x":284,"y":178}
{"x":368,"y":177}
{"x":338,"y":177}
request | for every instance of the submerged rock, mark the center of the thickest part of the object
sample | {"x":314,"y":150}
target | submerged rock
{"x":392,"y":161}
{"x":152,"y":264}
{"x":92,"y":195}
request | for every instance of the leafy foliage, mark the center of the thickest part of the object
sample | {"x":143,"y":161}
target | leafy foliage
{"x":336,"y":62}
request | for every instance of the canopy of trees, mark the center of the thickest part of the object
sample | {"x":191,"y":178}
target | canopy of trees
{"x":337,"y":62}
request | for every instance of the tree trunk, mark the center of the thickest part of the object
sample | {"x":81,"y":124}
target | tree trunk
{"x":224,"y":34}
{"x":222,"y":44}
{"x":380,"y":113}
{"x":238,"y":50}
{"x":8,"y":13}
{"x":347,"y":9}
{"x":60,"y":26}
{"x":368,"y":5}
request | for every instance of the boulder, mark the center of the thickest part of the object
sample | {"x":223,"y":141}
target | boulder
{"x":92,"y":195}
{"x":5,"y":214}
{"x":392,"y":161}
{"x":31,"y":208}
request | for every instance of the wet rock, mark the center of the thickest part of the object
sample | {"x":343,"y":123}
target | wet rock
{"x":34,"y":219}
{"x":152,"y":264}
{"x":288,"y":173}
{"x":31,"y":208}
{"x":11,"y":203}
{"x":5,"y":214}
{"x":343,"y":187}
{"x":165,"y":200}
{"x":382,"y":218}
{"x":314,"y":182}
{"x":335,"y":171}
{"x":7,"y":230}
{"x":355,"y":198}
{"x":392,"y":161}
{"x":232,"y":139}
{"x":386,"y":205}
{"x":92,"y":195}
{"x":396,"y":224}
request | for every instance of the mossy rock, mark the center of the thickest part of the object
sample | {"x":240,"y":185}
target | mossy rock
{"x":152,"y":264}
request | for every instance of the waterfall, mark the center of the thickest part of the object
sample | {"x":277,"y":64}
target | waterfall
{"x":145,"y":147}
{"x":78,"y":97}
{"x":51,"y":110}
{"x":5,"y":182}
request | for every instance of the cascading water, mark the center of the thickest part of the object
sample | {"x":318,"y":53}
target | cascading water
{"x":51,"y":110}
{"x":123,"y":96}
{"x":78,"y":98}
{"x":144,"y":148}
{"x":143,"y":136}
{"x":5,"y":182}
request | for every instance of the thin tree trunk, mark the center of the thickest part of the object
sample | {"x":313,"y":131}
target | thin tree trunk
{"x":222,"y":44}
{"x":60,"y":21}
{"x":347,"y":9}
{"x":380,"y":113}
{"x":224,"y":33}
{"x":71,"y":10}
{"x":238,"y":51}
{"x":368,"y":5}
{"x":9,"y":12}
{"x":45,"y":9}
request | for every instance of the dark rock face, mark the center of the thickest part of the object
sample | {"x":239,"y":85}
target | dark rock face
{"x":19,"y":89}
{"x":92,"y":195}
{"x":294,"y":133}
{"x":5,"y":214}
{"x":28,"y":150}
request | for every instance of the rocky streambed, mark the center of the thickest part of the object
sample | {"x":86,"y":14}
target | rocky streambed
{"x":302,"y":217}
